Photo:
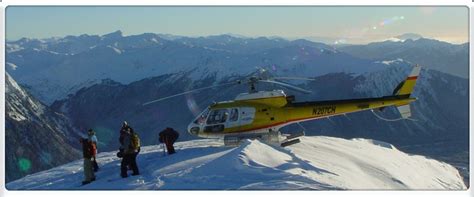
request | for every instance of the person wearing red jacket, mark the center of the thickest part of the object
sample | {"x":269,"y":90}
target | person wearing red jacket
{"x":88,"y":153}
{"x":93,"y":138}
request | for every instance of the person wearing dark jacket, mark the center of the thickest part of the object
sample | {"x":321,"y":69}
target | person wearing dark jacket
{"x":130,"y":151}
{"x":169,"y":136}
{"x":88,"y":153}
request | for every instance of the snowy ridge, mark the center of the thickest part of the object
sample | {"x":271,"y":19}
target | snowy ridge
{"x":315,"y":163}
{"x":17,"y":96}
{"x":389,"y":62}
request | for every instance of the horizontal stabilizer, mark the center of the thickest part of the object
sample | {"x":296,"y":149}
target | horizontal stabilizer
{"x":404,"y":111}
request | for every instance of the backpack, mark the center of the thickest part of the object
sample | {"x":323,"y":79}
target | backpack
{"x":135,"y":142}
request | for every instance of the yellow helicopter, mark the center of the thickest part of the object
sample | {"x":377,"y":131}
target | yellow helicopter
{"x":261,"y":114}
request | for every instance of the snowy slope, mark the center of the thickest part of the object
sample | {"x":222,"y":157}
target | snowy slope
{"x":315,"y":163}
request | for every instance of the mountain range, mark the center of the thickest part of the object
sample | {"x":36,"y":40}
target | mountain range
{"x":432,"y":54}
{"x":54,"y":68}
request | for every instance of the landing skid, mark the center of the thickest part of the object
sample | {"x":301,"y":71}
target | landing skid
{"x":291,"y":142}
{"x":292,"y":139}
{"x":272,"y":138}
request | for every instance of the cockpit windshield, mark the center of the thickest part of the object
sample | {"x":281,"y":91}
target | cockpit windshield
{"x":217,"y":116}
{"x":201,"y":119}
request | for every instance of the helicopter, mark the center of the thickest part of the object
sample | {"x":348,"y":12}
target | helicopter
{"x":261,"y":114}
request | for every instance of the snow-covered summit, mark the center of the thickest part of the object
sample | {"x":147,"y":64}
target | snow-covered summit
{"x":316,"y":163}
{"x":407,"y":36}
{"x":18,"y":99}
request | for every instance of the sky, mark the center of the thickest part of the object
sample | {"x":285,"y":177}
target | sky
{"x":354,"y":24}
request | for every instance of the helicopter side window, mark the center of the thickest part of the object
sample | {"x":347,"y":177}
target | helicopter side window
{"x":217,"y":116}
{"x":234,"y":115}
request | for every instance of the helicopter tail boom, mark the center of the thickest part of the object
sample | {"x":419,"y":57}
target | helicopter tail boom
{"x":318,"y":109}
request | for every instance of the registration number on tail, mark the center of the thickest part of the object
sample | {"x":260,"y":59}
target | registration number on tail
{"x":324,"y":110}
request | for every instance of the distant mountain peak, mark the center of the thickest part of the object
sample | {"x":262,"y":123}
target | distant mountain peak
{"x":237,"y":35}
{"x":409,"y":36}
{"x":115,"y":34}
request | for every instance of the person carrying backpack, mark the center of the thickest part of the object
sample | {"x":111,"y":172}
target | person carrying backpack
{"x":169,"y":136}
{"x":88,"y":152}
{"x":131,"y":147}
{"x":93,"y":138}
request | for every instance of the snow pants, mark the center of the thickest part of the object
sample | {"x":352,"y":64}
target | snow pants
{"x":88,"y":170}
{"x":129,"y":159}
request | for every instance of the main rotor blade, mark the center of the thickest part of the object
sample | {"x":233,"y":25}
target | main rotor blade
{"x":295,"y":78}
{"x":187,"y":92}
{"x":289,"y":86}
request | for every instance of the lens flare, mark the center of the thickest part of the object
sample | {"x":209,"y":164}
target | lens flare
{"x":389,"y":21}
{"x":24,"y":164}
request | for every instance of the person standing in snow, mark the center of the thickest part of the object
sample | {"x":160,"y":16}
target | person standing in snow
{"x":130,"y":151}
{"x":123,"y":132}
{"x":169,"y":136}
{"x":93,"y":138}
{"x":88,"y":151}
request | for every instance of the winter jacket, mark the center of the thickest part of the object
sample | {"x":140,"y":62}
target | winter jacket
{"x":88,"y":148}
{"x":127,"y":146}
{"x":123,"y":131}
{"x":93,"y":138}
{"x":169,"y":134}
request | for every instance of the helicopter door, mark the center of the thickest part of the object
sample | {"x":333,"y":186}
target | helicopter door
{"x":233,"y":120}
